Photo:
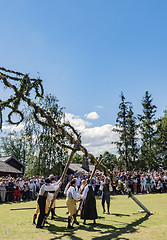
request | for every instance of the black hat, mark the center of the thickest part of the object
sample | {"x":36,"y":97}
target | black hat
{"x":52,"y":177}
{"x":47,"y":180}
{"x":73,"y":181}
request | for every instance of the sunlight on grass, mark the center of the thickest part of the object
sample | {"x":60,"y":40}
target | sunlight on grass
{"x":124,"y":222}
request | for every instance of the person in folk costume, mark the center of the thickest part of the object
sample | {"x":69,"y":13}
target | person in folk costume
{"x":88,"y":207}
{"x":43,"y":193}
{"x":71,"y":198}
{"x":106,"y":187}
{"x":83,"y":184}
{"x":48,"y":202}
{"x":53,"y":183}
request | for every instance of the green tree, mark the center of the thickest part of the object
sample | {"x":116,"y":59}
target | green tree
{"x":77,"y":158}
{"x":122,"y":129}
{"x":161,"y":141}
{"x":148,"y":131}
{"x":110,"y":160}
{"x":126,"y":127}
{"x":14,"y":145}
{"x":132,"y":138}
{"x":45,"y":151}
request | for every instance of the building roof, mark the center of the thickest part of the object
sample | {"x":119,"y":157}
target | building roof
{"x":8,"y":158}
{"x":77,"y":167}
{"x":6,"y":168}
{"x":5,"y":158}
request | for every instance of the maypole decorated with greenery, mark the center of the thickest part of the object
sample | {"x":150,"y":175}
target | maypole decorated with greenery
{"x":22,"y":90}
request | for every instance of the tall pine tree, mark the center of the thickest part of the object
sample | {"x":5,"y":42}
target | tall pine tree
{"x":132,"y":137}
{"x":126,"y":128}
{"x":148,"y":131}
{"x":161,"y":141}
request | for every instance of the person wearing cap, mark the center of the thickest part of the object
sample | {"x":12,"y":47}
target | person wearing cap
{"x":71,"y":198}
{"x":43,"y":193}
{"x":47,"y":205}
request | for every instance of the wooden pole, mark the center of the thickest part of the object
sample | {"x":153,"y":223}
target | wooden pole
{"x":62,"y":177}
{"x":125,"y":190}
{"x":141,"y":205}
{"x":28,"y":208}
{"x":51,"y":123}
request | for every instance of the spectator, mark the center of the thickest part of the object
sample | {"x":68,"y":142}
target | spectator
{"x":21,"y":187}
{"x":159,"y":187}
{"x":148,"y":184}
{"x":134,"y":178}
{"x":2,"y":189}
{"x":143,"y":183}
{"x":153,"y":184}
{"x":165,"y":181}
{"x":10,"y":190}
{"x":26,"y":191}
{"x":16,"y":191}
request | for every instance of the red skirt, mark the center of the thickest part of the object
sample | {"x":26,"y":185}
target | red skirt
{"x":17,"y":193}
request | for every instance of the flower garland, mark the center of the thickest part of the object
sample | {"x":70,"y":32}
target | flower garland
{"x":26,"y":85}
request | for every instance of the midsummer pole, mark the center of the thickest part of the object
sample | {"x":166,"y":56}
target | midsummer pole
{"x":22,"y":93}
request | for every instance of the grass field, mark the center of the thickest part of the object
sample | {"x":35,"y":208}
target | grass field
{"x":123,"y":223}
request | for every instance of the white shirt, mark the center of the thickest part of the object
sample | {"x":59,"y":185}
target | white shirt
{"x":55,"y":184}
{"x":66,"y":188}
{"x":47,"y":188}
{"x":50,"y":196}
{"x":85,"y":192}
{"x":73,"y":192}
{"x":21,"y":184}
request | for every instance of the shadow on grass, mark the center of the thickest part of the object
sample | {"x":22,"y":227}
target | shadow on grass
{"x":109,"y":233}
{"x":120,"y":215}
{"x":117,"y":232}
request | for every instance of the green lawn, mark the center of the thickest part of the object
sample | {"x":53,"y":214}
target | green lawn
{"x":124,"y":222}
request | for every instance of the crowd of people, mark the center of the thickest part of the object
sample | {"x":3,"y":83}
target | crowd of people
{"x":27,"y":188}
{"x":81,"y":187}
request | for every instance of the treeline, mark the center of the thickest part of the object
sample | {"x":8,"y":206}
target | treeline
{"x":142,"y":140}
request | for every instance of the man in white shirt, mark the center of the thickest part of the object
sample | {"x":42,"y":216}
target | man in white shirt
{"x":71,"y":198}
{"x":43,"y":193}
{"x":54,"y":184}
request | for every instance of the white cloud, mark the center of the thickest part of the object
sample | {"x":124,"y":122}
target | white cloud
{"x":97,"y":140}
{"x":6,"y":127}
{"x":92,"y":115}
{"x":78,"y":123}
{"x":99,"y":106}
{"x":13,"y":128}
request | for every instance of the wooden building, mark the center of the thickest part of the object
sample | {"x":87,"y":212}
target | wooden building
{"x":9,"y":165}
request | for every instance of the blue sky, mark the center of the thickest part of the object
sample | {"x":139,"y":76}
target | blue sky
{"x":87,"y":52}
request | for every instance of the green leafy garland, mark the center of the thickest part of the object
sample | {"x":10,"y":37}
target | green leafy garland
{"x":26,"y":85}
{"x":22,"y":92}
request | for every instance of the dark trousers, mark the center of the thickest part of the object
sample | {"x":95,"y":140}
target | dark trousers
{"x":105,"y":197}
{"x":42,"y":203}
{"x":10,"y":195}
